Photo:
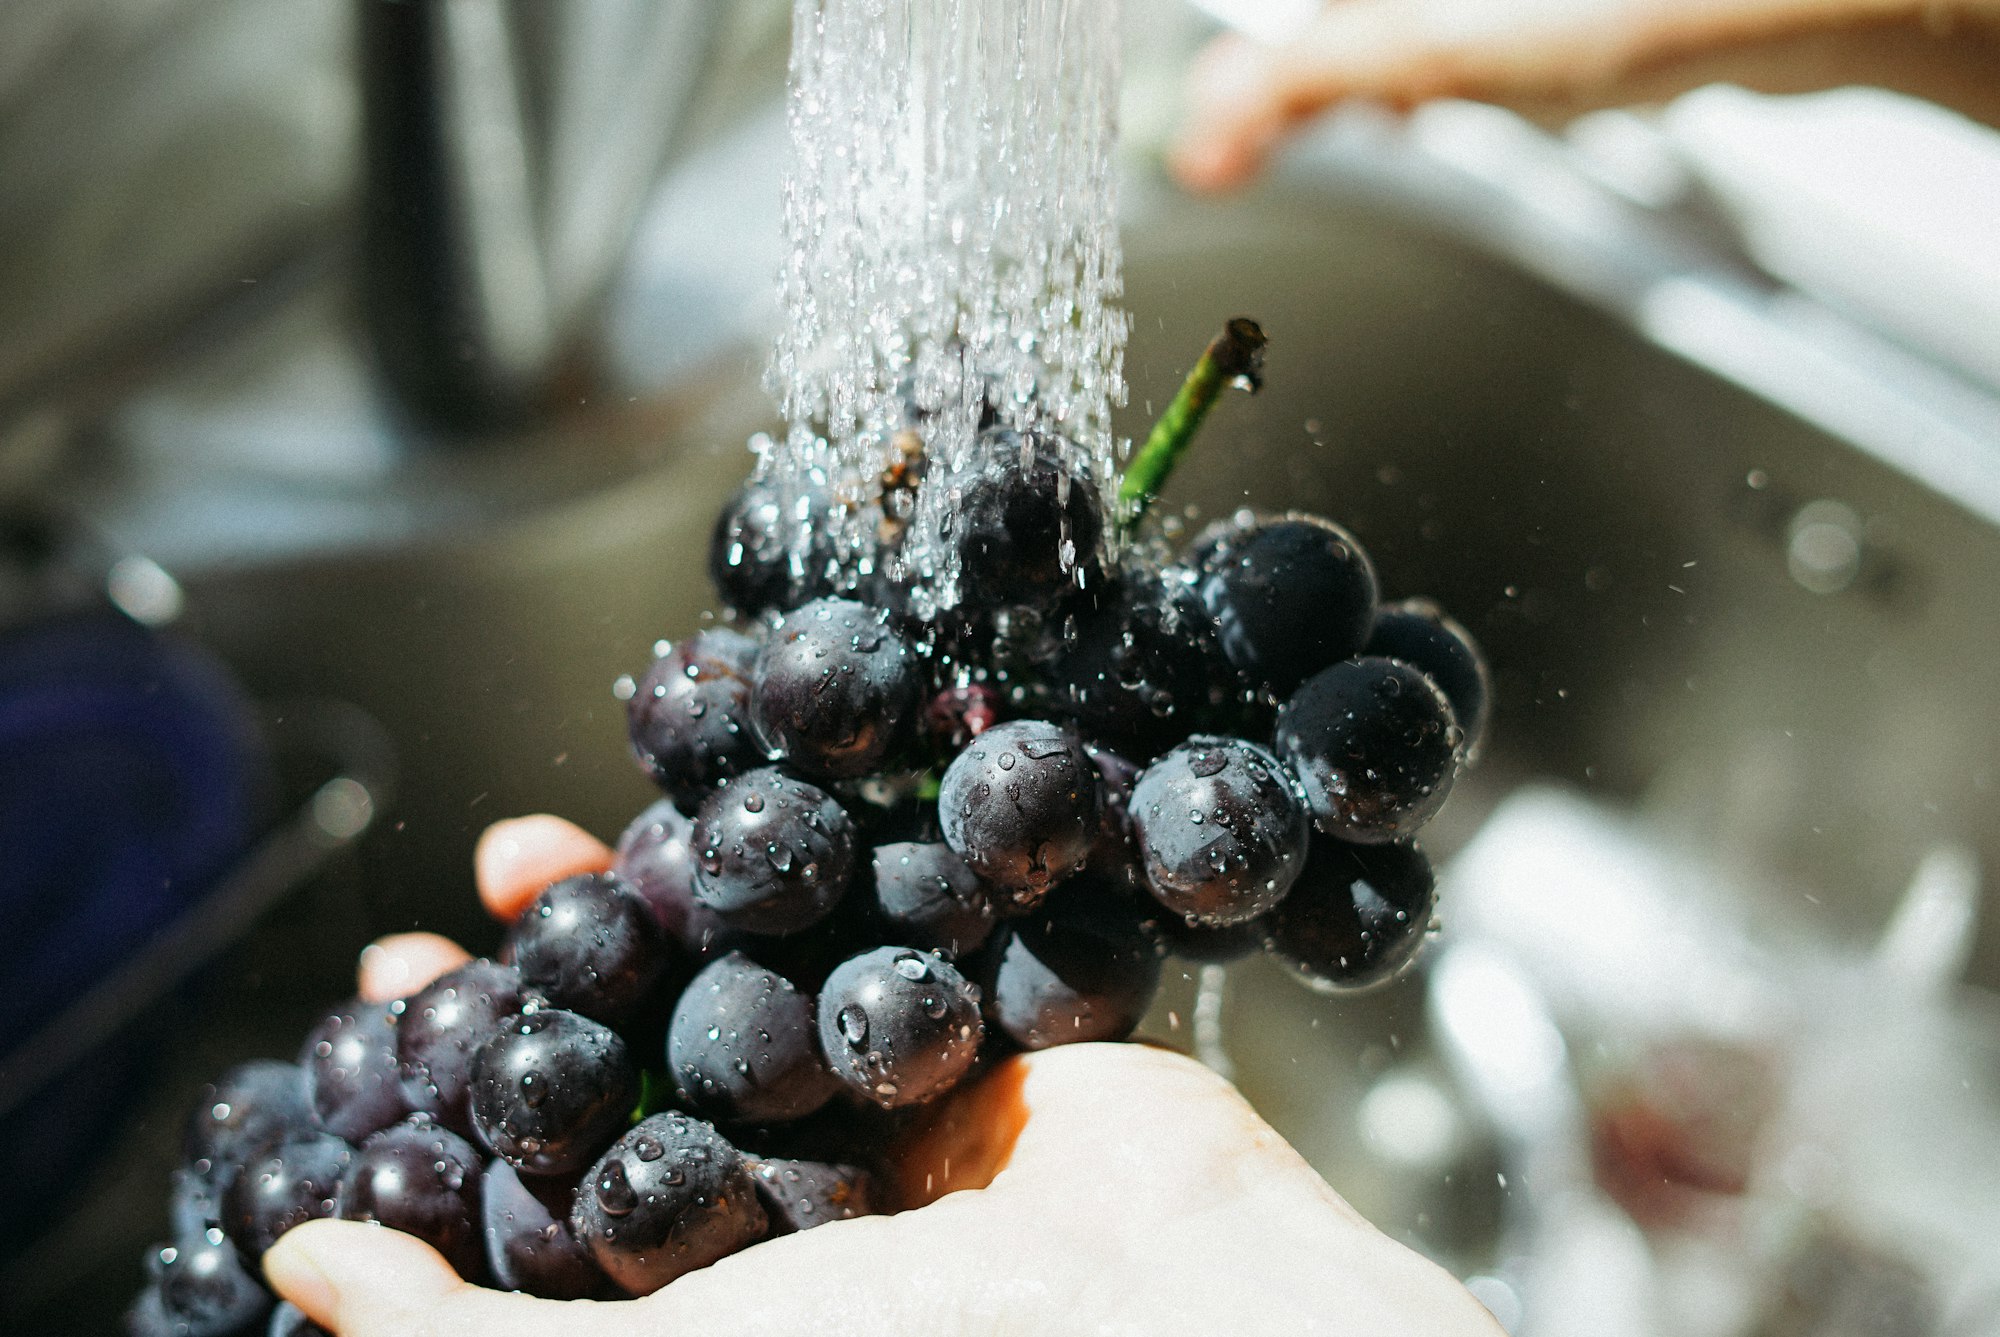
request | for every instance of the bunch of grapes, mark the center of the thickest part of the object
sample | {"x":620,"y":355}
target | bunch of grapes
{"x":891,"y":850}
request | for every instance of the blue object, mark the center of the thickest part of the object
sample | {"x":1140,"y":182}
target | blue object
{"x":131,"y":777}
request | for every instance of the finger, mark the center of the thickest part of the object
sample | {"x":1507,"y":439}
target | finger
{"x":358,"y":1279}
{"x":516,"y":858}
{"x":402,"y":963}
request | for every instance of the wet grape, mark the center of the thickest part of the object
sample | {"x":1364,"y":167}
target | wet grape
{"x":249,"y":1108}
{"x":1082,"y":967}
{"x":898,"y":1025}
{"x":441,"y":1026}
{"x":529,"y":1246}
{"x":670,"y":1196}
{"x":798,"y":1195}
{"x":294,"y":1182}
{"x":773,"y":854}
{"x":1424,"y":636}
{"x":1374,"y":746}
{"x":923,"y":894}
{"x":1021,"y":806}
{"x":1289,"y":596}
{"x":352,"y":1075}
{"x":550,"y":1090}
{"x":656,"y":860}
{"x":834,"y":690}
{"x":200,"y":1289}
{"x":689,"y":716}
{"x":589,"y":944}
{"x":1221,"y":830}
{"x":743,"y":1046}
{"x":1024,"y":523}
{"x":1357,"y":915}
{"x":421,"y":1178}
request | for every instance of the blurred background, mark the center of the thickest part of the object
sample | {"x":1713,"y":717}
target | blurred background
{"x":369,"y":377}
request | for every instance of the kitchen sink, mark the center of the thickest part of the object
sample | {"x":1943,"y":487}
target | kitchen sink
{"x":1707,"y":613}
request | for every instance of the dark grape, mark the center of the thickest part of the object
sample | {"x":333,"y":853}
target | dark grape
{"x":204,"y":1289}
{"x":1114,"y":858}
{"x":590,"y":945}
{"x":772,"y":854}
{"x":550,"y":1090}
{"x":924,"y":895}
{"x":1082,"y":967}
{"x":1289,"y":596}
{"x":1021,"y":806}
{"x":1374,"y":746}
{"x":898,"y":1025}
{"x":798,"y":1195}
{"x":293,"y":1183}
{"x":834,"y":689}
{"x":670,"y":1196}
{"x":442,"y":1025}
{"x":1424,"y":636}
{"x":194,"y":1201}
{"x":1024,"y":522}
{"x":288,"y":1320}
{"x":352,"y":1075}
{"x":1221,"y":830}
{"x":421,"y":1178}
{"x":252,"y":1106}
{"x":689,"y":715}
{"x":751,"y":550}
{"x":656,"y":860}
{"x":529,"y":1246}
{"x":1357,"y":915}
{"x":743,"y":1046}
{"x":1145,"y":667}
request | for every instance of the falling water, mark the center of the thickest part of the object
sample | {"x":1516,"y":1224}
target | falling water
{"x":950,"y":216}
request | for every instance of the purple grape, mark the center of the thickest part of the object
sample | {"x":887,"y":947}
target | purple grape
{"x":1145,"y":666}
{"x":743,"y":1046}
{"x":1374,"y":746}
{"x":751,"y":550}
{"x":670,"y":1196}
{"x":1021,"y":806}
{"x":1356,"y":917}
{"x":1024,"y":521}
{"x":1289,"y":596}
{"x":798,"y":1195}
{"x":1221,"y":830}
{"x":772,"y":854}
{"x":295,"y":1182}
{"x":550,"y":1090}
{"x":924,"y":895}
{"x":249,"y":1108}
{"x":689,"y":714}
{"x":352,"y":1075}
{"x":656,"y":860}
{"x":442,"y":1025}
{"x":1082,"y":967}
{"x":898,"y":1025}
{"x":1424,"y":636}
{"x":529,"y":1246}
{"x":834,"y":690}
{"x":421,"y":1178}
{"x":202,"y":1290}
{"x":590,"y":945}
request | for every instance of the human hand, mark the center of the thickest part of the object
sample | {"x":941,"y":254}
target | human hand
{"x":1555,"y":58}
{"x":1100,"y":1188}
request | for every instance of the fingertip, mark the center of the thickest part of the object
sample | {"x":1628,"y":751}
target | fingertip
{"x":516,"y":858}
{"x":402,"y":963}
{"x":1234,"y":116}
{"x":333,"y":1269}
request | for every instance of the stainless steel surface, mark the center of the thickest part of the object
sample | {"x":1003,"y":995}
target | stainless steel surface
{"x":509,"y":149}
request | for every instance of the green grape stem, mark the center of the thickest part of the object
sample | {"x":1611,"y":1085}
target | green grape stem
{"x":1233,"y":357}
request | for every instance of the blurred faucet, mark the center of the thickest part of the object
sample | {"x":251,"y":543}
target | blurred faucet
{"x":509,"y":146}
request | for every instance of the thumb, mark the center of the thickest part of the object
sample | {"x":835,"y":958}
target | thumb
{"x":359,"y":1279}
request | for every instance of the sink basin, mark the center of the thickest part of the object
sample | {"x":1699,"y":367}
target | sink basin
{"x":1702,"y":609}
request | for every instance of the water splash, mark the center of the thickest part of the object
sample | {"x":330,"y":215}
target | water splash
{"x":950,"y":214}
